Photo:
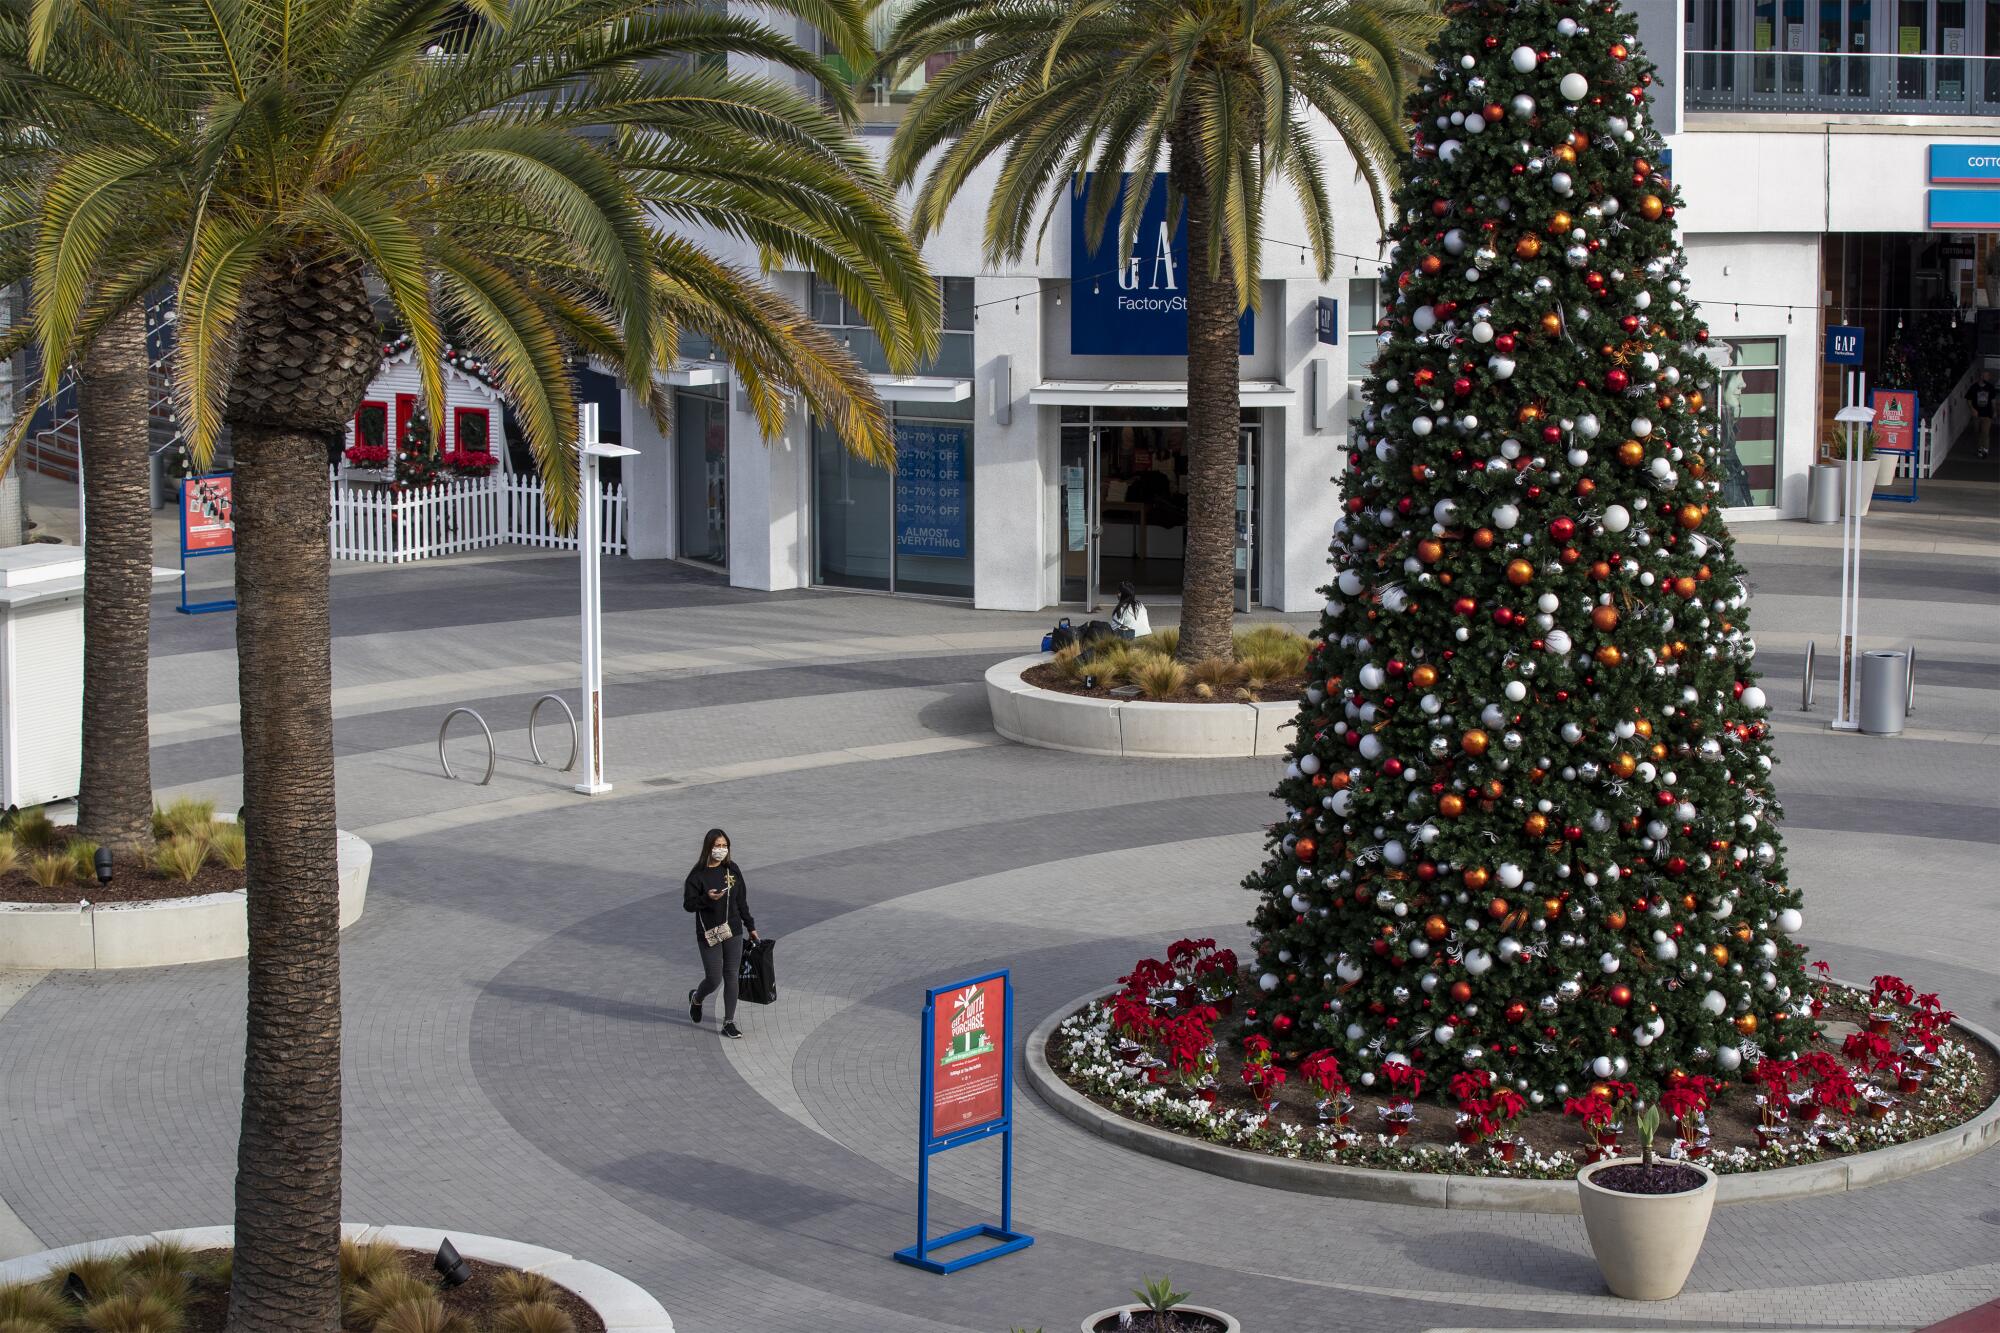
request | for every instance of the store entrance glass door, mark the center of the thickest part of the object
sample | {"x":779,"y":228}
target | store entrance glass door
{"x":1077,"y":521}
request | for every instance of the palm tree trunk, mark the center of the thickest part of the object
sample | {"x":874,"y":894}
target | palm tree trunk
{"x":305,"y":352}
{"x":1208,"y":581}
{"x":115,"y":804}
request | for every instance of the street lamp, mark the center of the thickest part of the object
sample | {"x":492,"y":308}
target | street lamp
{"x":1854,"y":418}
{"x":589,"y":450}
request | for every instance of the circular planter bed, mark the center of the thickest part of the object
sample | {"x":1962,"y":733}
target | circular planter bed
{"x":1096,"y":723}
{"x":1182,"y":1319}
{"x":1074,"y":1062}
{"x":379,"y":1265}
{"x":179,"y":922}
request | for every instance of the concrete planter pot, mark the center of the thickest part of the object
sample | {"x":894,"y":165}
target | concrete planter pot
{"x":1228,"y":1322}
{"x":1866,"y":467}
{"x":623,"y":1305}
{"x":1645,"y":1244}
{"x":1131,"y":728}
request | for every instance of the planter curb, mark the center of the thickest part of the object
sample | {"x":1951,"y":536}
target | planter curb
{"x":624,"y":1306}
{"x":163,"y":932}
{"x":1130,"y":728}
{"x":1486,"y":1193}
{"x":1229,"y":1322}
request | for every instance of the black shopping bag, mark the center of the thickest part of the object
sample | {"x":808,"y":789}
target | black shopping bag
{"x":758,"y":981}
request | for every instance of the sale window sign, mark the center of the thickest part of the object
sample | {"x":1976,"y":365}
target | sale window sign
{"x":968,"y":1057}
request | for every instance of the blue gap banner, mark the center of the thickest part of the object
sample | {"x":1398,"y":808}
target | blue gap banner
{"x":1135,"y":305}
{"x":930,"y":489}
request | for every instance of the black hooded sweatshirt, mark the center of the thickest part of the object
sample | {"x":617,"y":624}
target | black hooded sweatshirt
{"x":709,"y":912}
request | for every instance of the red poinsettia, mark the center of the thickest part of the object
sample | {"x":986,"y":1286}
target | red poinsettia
{"x":1132,"y":1017}
{"x":1323,"y":1067}
{"x":368,"y":455}
{"x":1687,"y":1100}
{"x":1887,"y":987}
{"x":1406,"y":1081}
{"x":1263,"y":1074}
{"x":1591,"y":1110}
{"x":1833,"y":1087}
{"x":1189,"y":1040}
{"x":1869,"y":1051}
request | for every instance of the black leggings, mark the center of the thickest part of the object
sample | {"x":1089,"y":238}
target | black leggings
{"x":721,"y":964}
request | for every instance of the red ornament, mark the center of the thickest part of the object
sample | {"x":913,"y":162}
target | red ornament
{"x":1516,"y":1011}
{"x":1562,"y":529}
{"x":1464,"y":606}
{"x":1504,"y":343}
{"x":1630,"y":323}
{"x":1461,"y":386}
{"x":1616,"y":380}
{"x":1621,"y":996}
{"x":1305,"y":849}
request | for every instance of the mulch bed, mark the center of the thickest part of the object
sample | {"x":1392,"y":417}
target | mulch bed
{"x":133,"y":880}
{"x":1732,"y":1120}
{"x":1046,"y":677}
{"x":1147,"y":1322}
{"x":477,"y":1300}
{"x":1659,"y":1178}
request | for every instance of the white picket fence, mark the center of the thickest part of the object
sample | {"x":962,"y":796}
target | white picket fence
{"x":369,"y":522}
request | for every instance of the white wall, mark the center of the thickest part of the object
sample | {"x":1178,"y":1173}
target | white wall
{"x":649,"y":483}
{"x":1777,"y":179}
{"x":1014,"y":545}
{"x":1780,"y":269}
{"x":768,"y":488}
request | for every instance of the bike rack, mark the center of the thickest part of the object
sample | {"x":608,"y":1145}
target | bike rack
{"x":493,"y":755}
{"x":1806,"y":691}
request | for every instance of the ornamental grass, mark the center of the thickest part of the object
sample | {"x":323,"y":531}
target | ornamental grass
{"x":533,"y":1317}
{"x":10,"y":853}
{"x":388,"y":1292}
{"x":32,"y":1303}
{"x":181,"y":858}
{"x":1159,"y":677}
{"x":427,"y":1315}
{"x":34,"y":831}
{"x":520,"y":1287}
{"x":363,"y":1265}
{"x":82,"y":853}
{"x":133,"y":1312}
{"x":185,"y":817}
{"x":227,"y":845}
{"x":50,"y":870}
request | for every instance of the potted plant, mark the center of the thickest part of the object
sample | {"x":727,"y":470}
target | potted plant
{"x":1483,"y":1111}
{"x":1646,"y":1219}
{"x":1335,"y":1102}
{"x":1866,"y":468}
{"x":1158,"y":1308}
{"x":1262,"y":1073}
{"x":1598,"y":1110}
{"x":1406,"y":1084}
{"x":1687,"y":1102}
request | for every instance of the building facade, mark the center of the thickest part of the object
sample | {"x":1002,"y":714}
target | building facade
{"x":1835,"y":173}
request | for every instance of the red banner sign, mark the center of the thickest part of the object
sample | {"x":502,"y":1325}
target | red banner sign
{"x":969,"y":1043}
{"x":208,"y":514}
{"x":1895,"y":418}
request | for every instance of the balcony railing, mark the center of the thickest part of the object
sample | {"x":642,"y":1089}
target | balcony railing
{"x":1846,"y":83}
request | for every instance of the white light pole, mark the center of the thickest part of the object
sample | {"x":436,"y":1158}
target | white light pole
{"x":1854,"y":418}
{"x":590,"y":501}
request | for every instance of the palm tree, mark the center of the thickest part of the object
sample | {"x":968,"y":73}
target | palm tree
{"x":281,"y":162}
{"x":1230,"y":92}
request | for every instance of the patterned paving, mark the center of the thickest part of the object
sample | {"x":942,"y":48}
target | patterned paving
{"x":519,"y":1062}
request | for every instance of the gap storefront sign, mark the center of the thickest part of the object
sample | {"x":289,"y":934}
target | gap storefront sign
{"x":1133,"y":304}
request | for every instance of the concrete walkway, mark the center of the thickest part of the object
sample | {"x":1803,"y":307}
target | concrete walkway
{"x":520,"y":1061}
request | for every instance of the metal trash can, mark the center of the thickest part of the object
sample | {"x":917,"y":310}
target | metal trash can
{"x":1885,"y":682}
{"x":1823,"y":493}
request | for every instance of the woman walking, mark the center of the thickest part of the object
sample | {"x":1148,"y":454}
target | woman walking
{"x":720,"y":901}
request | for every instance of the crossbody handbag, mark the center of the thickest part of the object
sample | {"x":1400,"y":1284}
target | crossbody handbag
{"x":715,"y":935}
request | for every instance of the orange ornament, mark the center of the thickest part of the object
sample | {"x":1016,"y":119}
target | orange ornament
{"x":1482,"y":539}
{"x":1519,"y":572}
{"x":1430,"y":264}
{"x":1560,"y":222}
{"x":1305,"y":849}
{"x":1529,"y":413}
{"x":1624,"y":765}
{"x":1430,"y":550}
{"x":1537,"y":825}
{"x":1719,"y":954}
{"x":1461,"y":992}
{"x":1747,"y":1024}
{"x":1498,"y":908}
{"x":1691,"y":516}
{"x":1435,"y":927}
{"x":1684,"y":586}
{"x":1495,"y":789}
{"x":1565,"y":154}
{"x":1451,"y":805}
{"x":1695,"y":400}
{"x":1605,"y":618}
{"x":1615,"y":918}
{"x":1631,"y":453}
{"x":1657,"y":752}
{"x":1424,"y":676}
{"x":1600,"y":569}
{"x":1552,"y":908}
{"x":1644,"y":728}
{"x":1476,"y":877}
{"x":1474,"y":742}
{"x":1650,"y":208}
{"x":1552,"y":323}
{"x":1579,"y":140}
{"x":1609,"y":655}
{"x":1528,"y":247}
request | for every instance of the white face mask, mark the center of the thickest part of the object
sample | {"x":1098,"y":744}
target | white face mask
{"x":719,"y":852}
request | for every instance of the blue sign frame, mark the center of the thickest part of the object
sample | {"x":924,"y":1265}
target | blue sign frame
{"x":1965,"y":164}
{"x":1916,"y":414}
{"x":1006,"y":1239}
{"x":1964,"y":210}
{"x":1843,"y":344}
{"x":201,"y":608}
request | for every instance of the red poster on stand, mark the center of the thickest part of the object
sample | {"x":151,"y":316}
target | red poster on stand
{"x":1895,"y":418}
{"x":969,"y":1043}
{"x":208,"y":519}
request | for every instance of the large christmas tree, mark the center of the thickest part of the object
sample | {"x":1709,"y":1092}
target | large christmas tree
{"x":1529,"y":822}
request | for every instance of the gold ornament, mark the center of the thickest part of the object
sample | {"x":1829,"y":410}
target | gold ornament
{"x":1747,"y":1024}
{"x":1624,"y":765}
{"x":1691,"y":516}
{"x":1477,"y":876}
{"x":1537,"y":825}
{"x":1451,"y":805}
{"x":1650,"y":208}
{"x":1520,"y":571}
{"x":1528,"y":247}
{"x":1631,"y":453}
{"x":1605,"y":618}
{"x":1424,"y":676}
{"x":1552,"y":323}
{"x":1609,"y":655}
{"x":1474,"y":742}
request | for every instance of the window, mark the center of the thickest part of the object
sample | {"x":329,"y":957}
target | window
{"x":907,"y":531}
{"x":1747,"y":410}
{"x":470,"y":430}
{"x":882,"y":101}
{"x":833,"y":311}
{"x":371,"y":425}
{"x":701,"y":476}
{"x":1362,"y":314}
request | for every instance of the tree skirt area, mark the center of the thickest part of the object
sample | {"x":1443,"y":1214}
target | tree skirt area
{"x":201,"y":1279}
{"x":133,"y":880}
{"x":1049,"y":677}
{"x":1215,"y":1103}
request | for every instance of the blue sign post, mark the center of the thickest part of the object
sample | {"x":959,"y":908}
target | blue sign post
{"x":966,"y":1096}
{"x":208,"y":527}
{"x":1133,"y":304}
{"x":1843,"y":345}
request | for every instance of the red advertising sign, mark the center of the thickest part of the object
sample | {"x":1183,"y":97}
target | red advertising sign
{"x":969,"y":1044}
{"x":208,"y":515}
{"x":1895,"y":418}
